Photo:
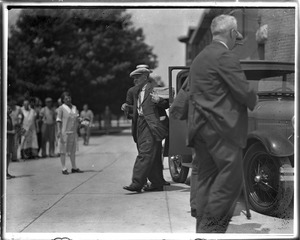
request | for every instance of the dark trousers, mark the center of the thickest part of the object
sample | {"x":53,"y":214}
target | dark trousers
{"x":39,"y":140}
{"x":148,"y":161}
{"x":48,"y":135}
{"x":219,"y":180}
{"x":194,"y":184}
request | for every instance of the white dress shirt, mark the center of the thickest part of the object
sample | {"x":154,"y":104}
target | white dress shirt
{"x":140,"y":100}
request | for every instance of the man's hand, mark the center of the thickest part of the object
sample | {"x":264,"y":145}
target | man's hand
{"x":155,"y":98}
{"x":124,"y":106}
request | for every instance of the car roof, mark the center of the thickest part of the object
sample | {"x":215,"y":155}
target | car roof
{"x":257,"y":69}
{"x":253,"y":69}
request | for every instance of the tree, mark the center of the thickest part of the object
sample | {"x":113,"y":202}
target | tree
{"x":89,"y":52}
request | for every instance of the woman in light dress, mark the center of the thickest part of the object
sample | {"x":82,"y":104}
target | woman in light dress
{"x":67,"y":124}
{"x":29,"y":144}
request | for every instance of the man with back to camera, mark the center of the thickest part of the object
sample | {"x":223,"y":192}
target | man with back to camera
{"x":151,"y":127}
{"x":217,"y":125}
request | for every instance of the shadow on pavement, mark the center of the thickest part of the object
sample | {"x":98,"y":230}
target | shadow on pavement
{"x":241,"y":208}
{"x":84,"y":171}
{"x":23,"y":176}
{"x":91,"y":145}
{"x":133,"y":193}
{"x":36,"y":159}
{"x":111,"y":131}
{"x":247,"y":228}
{"x":123,"y":134}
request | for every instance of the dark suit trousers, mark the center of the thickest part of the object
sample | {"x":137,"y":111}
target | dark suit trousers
{"x":194,"y":182}
{"x":148,"y":161}
{"x":219,"y":180}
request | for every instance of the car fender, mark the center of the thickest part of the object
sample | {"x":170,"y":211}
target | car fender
{"x":275,"y":144}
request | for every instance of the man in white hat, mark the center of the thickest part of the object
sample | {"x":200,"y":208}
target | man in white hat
{"x":127,"y":107}
{"x":150,"y":128}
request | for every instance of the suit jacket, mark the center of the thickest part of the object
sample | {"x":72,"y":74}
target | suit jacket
{"x":130,"y":99}
{"x":220,"y":94}
{"x":154,"y":113}
{"x":131,"y":93}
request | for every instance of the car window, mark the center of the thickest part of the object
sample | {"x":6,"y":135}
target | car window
{"x":180,"y":82}
{"x":278,"y":84}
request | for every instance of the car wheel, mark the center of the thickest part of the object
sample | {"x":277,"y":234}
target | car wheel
{"x":178,"y":172}
{"x":268,"y":194}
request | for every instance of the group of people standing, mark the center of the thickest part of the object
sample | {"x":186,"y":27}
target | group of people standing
{"x":31,"y":127}
{"x":37,"y":123}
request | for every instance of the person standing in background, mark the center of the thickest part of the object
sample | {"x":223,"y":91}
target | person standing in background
{"x":57,"y":147}
{"x":107,"y":119}
{"x":88,"y":116}
{"x":17,"y":119}
{"x":59,"y":103}
{"x":29,"y":145}
{"x":37,"y":107}
{"x":67,"y":123}
{"x":10,"y":136}
{"x":48,"y":117}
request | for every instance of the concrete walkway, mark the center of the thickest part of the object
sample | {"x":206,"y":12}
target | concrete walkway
{"x":41,"y":203}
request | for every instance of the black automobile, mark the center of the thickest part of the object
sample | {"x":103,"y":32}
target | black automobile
{"x":269,"y":154}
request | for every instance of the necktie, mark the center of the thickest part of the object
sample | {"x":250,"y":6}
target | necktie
{"x":140,"y":100}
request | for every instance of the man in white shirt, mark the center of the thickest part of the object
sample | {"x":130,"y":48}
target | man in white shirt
{"x":151,"y":128}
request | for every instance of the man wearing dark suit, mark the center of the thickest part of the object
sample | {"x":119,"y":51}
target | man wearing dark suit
{"x":127,"y":107}
{"x":217,"y":125}
{"x":151,"y":127}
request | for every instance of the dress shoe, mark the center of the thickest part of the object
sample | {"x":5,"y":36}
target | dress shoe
{"x":193,"y":212}
{"x":65,"y":172}
{"x":77,"y":170}
{"x":166,"y":183}
{"x":132,"y":189}
{"x":153,"y":189}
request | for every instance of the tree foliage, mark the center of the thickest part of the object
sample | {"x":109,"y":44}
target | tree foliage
{"x":89,"y":52}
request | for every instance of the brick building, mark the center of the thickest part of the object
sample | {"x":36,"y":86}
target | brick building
{"x":269,"y":33}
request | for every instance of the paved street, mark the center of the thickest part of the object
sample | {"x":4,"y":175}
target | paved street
{"x":42,"y":200}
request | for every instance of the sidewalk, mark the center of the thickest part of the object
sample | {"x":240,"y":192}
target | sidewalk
{"x":42,"y":200}
{"x":115,"y":127}
{"x":94,"y":205}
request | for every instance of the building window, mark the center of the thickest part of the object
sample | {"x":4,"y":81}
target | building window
{"x":261,"y":51}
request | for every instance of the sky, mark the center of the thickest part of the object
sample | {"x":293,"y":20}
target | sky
{"x":161,"y":27}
